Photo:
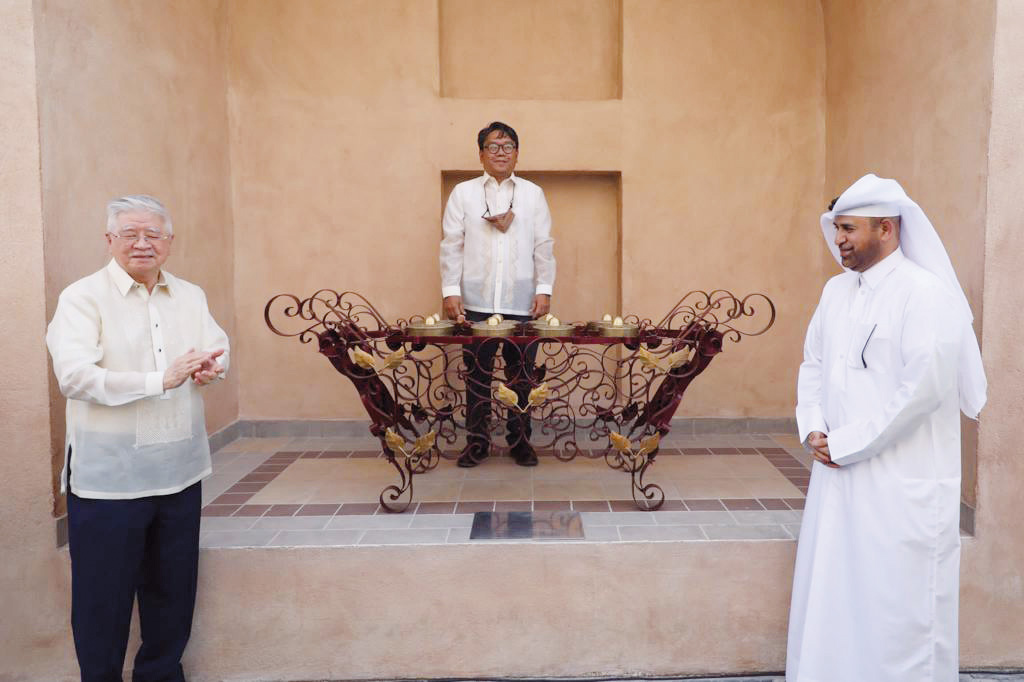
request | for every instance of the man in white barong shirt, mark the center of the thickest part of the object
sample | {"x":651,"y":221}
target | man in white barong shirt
{"x":131,"y":345}
{"x":890,"y":360}
{"x":497,"y":256}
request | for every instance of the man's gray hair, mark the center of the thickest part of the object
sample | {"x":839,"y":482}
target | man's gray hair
{"x":138,"y":203}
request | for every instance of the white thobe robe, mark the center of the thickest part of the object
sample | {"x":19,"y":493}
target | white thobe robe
{"x":875,"y":590}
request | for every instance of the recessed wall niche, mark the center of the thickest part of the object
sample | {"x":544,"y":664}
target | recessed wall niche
{"x":586,"y":227}
{"x":531,"y":49}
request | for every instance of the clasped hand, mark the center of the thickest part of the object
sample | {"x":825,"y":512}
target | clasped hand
{"x":819,"y":448}
{"x":201,"y":366}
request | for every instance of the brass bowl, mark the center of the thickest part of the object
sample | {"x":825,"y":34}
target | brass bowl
{"x":624,"y":330}
{"x":500,"y":329}
{"x":559,"y":330}
{"x":442,"y":328}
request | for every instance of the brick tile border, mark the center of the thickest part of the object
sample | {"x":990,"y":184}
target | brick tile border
{"x":234,"y":501}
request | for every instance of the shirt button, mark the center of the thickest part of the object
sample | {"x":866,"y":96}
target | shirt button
{"x":159,"y":350}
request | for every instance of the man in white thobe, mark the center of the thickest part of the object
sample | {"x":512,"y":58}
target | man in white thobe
{"x":890,"y":360}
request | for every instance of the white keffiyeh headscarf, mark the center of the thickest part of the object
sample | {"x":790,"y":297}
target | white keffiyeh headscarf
{"x":883,"y":197}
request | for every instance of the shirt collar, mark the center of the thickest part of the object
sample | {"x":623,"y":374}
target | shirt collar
{"x":124,"y":282}
{"x":487,"y":177}
{"x":874,"y":275}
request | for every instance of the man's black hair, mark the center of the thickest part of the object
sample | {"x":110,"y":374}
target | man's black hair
{"x":833,"y":203}
{"x":496,"y":125}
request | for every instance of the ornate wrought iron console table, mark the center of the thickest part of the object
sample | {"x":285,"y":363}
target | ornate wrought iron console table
{"x":616,"y":393}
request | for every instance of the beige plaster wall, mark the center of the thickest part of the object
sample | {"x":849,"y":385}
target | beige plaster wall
{"x":133,"y":100}
{"x":723,"y":156}
{"x":489,"y":51}
{"x":920,"y":115}
{"x":339,"y":133}
{"x":992,"y":573}
{"x":335,"y":178}
{"x":35,"y":640}
{"x":522,"y":610}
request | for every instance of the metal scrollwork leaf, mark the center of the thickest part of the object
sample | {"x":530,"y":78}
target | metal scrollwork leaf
{"x":418,"y":413}
{"x":645,"y":358}
{"x":424,"y":443}
{"x":394,"y":441}
{"x":506,"y":395}
{"x":649,"y":445}
{"x":538,"y":396}
{"x":393,"y":360}
{"x":680,"y":357}
{"x":620,"y":442}
{"x":362,"y":358}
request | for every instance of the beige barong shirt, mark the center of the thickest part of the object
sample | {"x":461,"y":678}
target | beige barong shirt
{"x":111,"y":340}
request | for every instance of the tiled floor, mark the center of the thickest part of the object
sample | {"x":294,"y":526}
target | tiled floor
{"x":964,"y":677}
{"x":324,"y":492}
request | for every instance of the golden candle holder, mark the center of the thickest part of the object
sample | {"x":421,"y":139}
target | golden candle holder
{"x":554,"y":330}
{"x":624,"y":330}
{"x":442,"y":328}
{"x":501,"y":329}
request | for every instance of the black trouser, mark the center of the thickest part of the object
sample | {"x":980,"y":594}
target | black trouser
{"x":478,"y":357}
{"x":146,"y":547}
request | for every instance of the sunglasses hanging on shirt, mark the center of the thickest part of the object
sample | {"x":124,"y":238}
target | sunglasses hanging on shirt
{"x":502,"y":221}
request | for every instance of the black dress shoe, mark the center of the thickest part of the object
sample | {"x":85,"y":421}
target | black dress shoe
{"x":524,"y":455}
{"x":472,"y":455}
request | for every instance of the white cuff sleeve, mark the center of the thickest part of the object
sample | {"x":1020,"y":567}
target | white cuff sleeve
{"x":154,"y":383}
{"x":451,"y":291}
{"x":844,"y":448}
{"x":808,"y":420}
{"x":544,"y":289}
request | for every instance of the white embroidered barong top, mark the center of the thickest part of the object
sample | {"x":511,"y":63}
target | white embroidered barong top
{"x":110,"y":341}
{"x":495,"y":271}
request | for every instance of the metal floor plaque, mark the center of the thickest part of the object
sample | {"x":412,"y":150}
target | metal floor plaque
{"x":554,"y":525}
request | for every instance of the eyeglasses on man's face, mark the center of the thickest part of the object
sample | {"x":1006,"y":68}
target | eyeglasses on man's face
{"x":132,"y":236}
{"x":494,"y":148}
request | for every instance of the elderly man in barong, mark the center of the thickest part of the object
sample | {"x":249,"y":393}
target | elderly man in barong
{"x":132,"y":347}
{"x":889,"y":360}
